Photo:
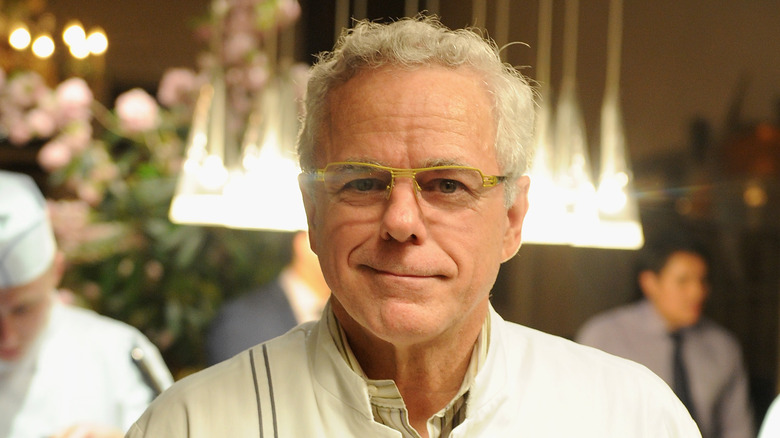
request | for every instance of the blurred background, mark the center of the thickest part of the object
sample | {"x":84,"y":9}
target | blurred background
{"x":699,"y":100}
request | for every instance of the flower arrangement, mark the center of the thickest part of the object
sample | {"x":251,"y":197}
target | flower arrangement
{"x":115,"y":171}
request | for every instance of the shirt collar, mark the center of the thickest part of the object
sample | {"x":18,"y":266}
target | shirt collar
{"x":386,"y":401}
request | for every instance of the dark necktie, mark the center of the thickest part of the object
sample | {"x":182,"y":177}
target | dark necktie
{"x":681,"y":387}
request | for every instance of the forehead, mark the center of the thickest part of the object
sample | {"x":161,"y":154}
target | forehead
{"x":26,"y":293}
{"x":684,"y":261}
{"x":409,"y":112}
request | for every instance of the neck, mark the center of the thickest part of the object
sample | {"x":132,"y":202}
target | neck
{"x":428,"y":374}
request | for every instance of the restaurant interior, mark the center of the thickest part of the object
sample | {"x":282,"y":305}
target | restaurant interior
{"x":693,"y":85}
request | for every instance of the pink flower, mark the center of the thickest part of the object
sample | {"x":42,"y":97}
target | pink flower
{"x":177,"y":87}
{"x":256,"y":76}
{"x":54,"y":155}
{"x":73,"y":99}
{"x":89,"y":193}
{"x":238,"y":46}
{"x":25,"y":89}
{"x":41,"y":123}
{"x":240,"y":19}
{"x":289,"y":11}
{"x":19,"y":131}
{"x":137,"y":111}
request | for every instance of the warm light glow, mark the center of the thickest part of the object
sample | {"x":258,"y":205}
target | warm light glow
{"x":213,"y":174}
{"x":74,"y":34}
{"x":20,"y":38}
{"x":754,"y":195}
{"x":43,"y":46}
{"x":97,"y":42}
{"x":79,"y":50}
{"x":612,"y":197}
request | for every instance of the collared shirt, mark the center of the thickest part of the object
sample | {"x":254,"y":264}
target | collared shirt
{"x":388,"y":406}
{"x":716,"y":374}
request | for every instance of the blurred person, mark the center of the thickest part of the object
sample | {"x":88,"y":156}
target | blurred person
{"x":413,"y":150}
{"x":297,"y":295}
{"x":64,"y":371}
{"x":709,"y":375}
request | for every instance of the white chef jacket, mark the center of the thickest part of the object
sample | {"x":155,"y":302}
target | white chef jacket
{"x":80,"y":370}
{"x":531,"y":385}
{"x":770,"y":427}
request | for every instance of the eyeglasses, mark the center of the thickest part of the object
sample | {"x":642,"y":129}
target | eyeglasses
{"x":364,"y":184}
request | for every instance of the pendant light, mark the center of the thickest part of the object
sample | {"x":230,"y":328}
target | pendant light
{"x":572,"y":165}
{"x":619,"y":225}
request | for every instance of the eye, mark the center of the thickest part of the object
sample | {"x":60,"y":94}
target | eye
{"x":447,"y":181}
{"x":448,"y":185}
{"x":22,"y":309}
{"x":365,"y":185}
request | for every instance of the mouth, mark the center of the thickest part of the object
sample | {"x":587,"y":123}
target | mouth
{"x":9,"y":353}
{"x":401,"y":272}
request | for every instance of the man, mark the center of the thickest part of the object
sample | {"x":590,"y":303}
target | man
{"x":667,"y":333}
{"x":297,"y":295}
{"x":64,"y":371}
{"x":413,"y":150}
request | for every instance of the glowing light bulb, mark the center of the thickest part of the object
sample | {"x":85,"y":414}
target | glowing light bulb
{"x":612,"y":195}
{"x":80,"y":50}
{"x":74,"y":34}
{"x":20,"y":38}
{"x":97,"y":42}
{"x":213,"y":173}
{"x":43,"y":46}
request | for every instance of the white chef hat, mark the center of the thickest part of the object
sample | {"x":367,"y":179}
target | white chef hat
{"x":27,"y":245}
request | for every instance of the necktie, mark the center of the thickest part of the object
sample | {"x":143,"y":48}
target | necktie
{"x":681,"y":387}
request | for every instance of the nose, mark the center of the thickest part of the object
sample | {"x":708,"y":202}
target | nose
{"x":402,"y":219}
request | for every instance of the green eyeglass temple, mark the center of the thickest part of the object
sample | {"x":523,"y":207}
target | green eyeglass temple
{"x":487,"y":180}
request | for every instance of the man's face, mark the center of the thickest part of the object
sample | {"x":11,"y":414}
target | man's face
{"x":679,"y":290}
{"x":403,"y":271}
{"x":24,"y":311}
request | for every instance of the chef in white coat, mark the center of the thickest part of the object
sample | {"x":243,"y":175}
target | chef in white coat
{"x":64,"y":371}
{"x":414,"y":149}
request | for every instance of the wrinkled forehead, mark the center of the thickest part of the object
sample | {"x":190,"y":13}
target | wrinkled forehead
{"x":423,"y":105}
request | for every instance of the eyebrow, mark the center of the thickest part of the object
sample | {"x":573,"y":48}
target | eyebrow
{"x":431,"y":163}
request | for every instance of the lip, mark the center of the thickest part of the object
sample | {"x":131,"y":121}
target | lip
{"x":10,"y":354}
{"x":401,"y":273}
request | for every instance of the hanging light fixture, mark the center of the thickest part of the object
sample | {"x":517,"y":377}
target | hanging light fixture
{"x":198,"y":197}
{"x":545,"y":222}
{"x":565,"y":207}
{"x":572,"y":169}
{"x":252,"y":183}
{"x":619,"y":225}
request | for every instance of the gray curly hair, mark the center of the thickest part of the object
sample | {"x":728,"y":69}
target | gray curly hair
{"x":414,"y":42}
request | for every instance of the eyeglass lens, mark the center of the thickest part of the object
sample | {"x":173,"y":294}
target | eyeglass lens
{"x":442,"y":187}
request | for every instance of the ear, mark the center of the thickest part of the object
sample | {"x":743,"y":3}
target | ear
{"x":648,"y":281}
{"x":516,"y":215}
{"x":309,"y":207}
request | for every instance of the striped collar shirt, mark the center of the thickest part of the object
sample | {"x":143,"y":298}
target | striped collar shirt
{"x":388,"y":406}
